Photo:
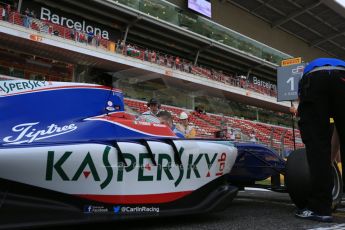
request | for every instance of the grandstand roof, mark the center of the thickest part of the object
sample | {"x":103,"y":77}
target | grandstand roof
{"x":320,"y":23}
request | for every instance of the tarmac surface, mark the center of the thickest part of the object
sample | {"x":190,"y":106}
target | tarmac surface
{"x":251,"y":209}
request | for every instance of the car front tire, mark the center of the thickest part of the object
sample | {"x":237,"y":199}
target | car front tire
{"x":297,"y":179}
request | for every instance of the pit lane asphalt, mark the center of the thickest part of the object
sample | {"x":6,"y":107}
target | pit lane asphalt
{"x":251,"y":209}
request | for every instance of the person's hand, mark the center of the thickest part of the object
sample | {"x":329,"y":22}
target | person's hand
{"x":293,"y":110}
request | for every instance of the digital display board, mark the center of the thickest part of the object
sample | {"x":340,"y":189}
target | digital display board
{"x":201,"y":6}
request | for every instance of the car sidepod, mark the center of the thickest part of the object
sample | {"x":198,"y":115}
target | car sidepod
{"x":95,"y":181}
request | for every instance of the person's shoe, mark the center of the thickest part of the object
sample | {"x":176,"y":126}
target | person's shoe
{"x":310,"y":215}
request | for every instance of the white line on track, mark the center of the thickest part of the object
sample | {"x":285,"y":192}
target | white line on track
{"x":332,"y":227}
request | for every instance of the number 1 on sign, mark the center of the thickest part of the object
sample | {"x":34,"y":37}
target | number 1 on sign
{"x":291,"y":80}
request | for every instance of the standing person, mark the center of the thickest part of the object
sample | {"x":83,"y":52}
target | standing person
{"x":153,"y":57}
{"x":177,"y":63}
{"x":30,"y":17}
{"x":118,"y":46}
{"x":151,"y":114}
{"x":98,"y":39}
{"x":321,"y":93}
{"x":26,"y":19}
{"x":72,"y":34}
{"x":89,"y":37}
{"x":146,"y":55}
{"x":223,"y":124}
{"x":232,"y":135}
{"x":82,"y":37}
{"x":3,"y":13}
{"x":184,"y":127}
{"x":252,"y":136}
{"x":8,"y":12}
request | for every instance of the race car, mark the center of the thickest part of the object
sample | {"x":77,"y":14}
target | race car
{"x":70,"y":154}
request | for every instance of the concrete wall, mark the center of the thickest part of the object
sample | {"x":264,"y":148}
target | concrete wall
{"x":249,"y":25}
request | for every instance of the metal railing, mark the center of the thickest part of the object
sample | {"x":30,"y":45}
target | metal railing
{"x":202,"y":26}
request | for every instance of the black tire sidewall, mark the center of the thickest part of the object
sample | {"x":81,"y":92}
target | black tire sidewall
{"x":297,"y":179}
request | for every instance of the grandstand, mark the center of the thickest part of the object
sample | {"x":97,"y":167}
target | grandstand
{"x":207,"y":124}
{"x":162,"y":49}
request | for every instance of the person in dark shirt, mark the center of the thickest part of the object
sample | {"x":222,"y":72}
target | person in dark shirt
{"x":150,"y":115}
{"x":7,"y":10}
{"x":90,"y":37}
{"x":321,"y":95}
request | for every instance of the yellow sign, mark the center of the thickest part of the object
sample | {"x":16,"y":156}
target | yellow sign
{"x":291,"y":61}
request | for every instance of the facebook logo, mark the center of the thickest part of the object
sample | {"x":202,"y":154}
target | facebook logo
{"x":117,"y":208}
{"x":88,"y":209}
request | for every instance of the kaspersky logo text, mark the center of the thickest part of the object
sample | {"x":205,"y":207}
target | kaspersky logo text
{"x":11,"y":86}
{"x":164,"y":170}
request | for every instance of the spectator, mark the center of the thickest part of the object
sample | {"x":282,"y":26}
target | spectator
{"x":15,"y":6}
{"x":153,"y":57}
{"x":11,"y":70}
{"x":177,"y":63}
{"x":72,"y":34}
{"x":50,"y":28}
{"x":252,"y":136}
{"x":26,"y":20}
{"x":98,"y":39}
{"x":238,"y":135}
{"x":166,"y":60}
{"x":7,"y":12}
{"x":158,"y":59}
{"x":123,"y":48}
{"x":153,"y":109}
{"x":223,"y":123}
{"x":166,"y":119}
{"x":128,"y":50}
{"x":82,"y":37}
{"x":93,"y":40}
{"x":146,"y":55}
{"x":56,"y":32}
{"x":232,"y":135}
{"x":30,"y":18}
{"x":200,"y":109}
{"x":242,"y":82}
{"x":3,"y":13}
{"x":171,"y":62}
{"x":44,"y":26}
{"x":184,"y":127}
{"x":219,"y":134}
{"x":76,"y":35}
{"x":90,"y":36}
{"x":118,"y":46}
